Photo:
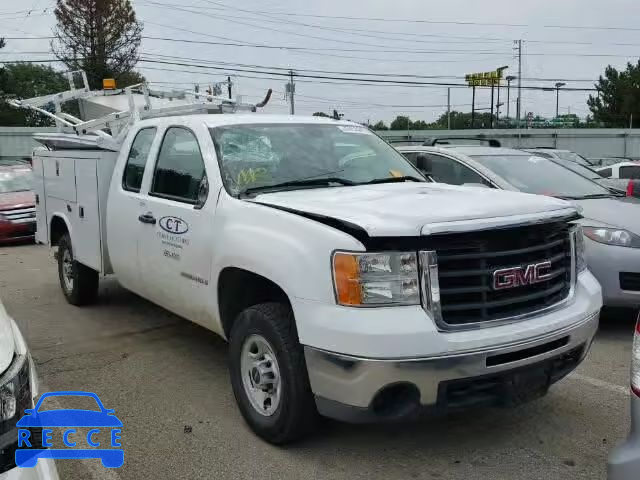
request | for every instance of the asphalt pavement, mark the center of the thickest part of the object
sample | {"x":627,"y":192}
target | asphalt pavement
{"x":167,"y":381}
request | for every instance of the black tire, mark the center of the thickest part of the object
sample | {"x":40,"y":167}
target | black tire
{"x":296,"y":414}
{"x":84,"y":288}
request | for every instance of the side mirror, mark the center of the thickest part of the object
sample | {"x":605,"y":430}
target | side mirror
{"x":203,"y":193}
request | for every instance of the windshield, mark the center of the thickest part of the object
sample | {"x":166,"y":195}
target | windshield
{"x":579,"y":169}
{"x":16,"y":181}
{"x":260,"y":155}
{"x":532,"y":174}
{"x":573,"y":157}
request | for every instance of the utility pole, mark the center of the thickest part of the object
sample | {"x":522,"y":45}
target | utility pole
{"x":292,"y":91}
{"x":229,"y":86}
{"x":519,"y":104}
{"x":473,"y":106}
{"x":449,"y":108}
{"x":558,"y":86}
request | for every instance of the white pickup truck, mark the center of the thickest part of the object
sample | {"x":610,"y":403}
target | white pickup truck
{"x":345,"y":282}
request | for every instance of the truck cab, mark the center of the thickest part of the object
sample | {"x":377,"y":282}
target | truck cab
{"x":346,"y":283}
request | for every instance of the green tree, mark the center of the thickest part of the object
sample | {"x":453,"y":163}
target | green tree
{"x":379,"y":126}
{"x":24,"y":80}
{"x":618,"y":97}
{"x":401,"y":123}
{"x":101,"y":37}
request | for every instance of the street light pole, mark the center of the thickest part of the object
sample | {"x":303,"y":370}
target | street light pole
{"x":558,"y":86}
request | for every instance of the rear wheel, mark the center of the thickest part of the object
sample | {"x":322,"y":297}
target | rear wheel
{"x":269,"y":375}
{"x":79,"y":283}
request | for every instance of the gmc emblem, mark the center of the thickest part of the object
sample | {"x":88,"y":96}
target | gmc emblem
{"x":519,"y":276}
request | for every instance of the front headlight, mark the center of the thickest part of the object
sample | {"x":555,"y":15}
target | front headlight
{"x":376,"y":279}
{"x":613,"y":236}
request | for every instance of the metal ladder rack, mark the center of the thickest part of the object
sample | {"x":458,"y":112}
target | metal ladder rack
{"x":118,"y":122}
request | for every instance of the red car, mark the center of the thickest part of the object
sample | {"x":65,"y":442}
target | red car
{"x":17,"y":204}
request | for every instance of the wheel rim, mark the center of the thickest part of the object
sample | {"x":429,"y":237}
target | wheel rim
{"x":260,"y":375}
{"x":67,"y":270}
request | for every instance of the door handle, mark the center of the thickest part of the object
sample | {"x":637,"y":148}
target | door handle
{"x":147,"y":218}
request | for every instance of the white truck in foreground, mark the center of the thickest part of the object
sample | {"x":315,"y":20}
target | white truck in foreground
{"x":345,"y":282}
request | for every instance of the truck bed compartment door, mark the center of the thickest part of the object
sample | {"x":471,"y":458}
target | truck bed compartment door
{"x":85,"y":217}
{"x":42,"y":228}
{"x":60,"y":178}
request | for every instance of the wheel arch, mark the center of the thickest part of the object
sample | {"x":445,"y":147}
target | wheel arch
{"x":238,"y":289}
{"x":58,"y":226}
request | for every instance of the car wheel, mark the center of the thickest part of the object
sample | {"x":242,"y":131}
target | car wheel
{"x":79,"y":283}
{"x":269,"y":374}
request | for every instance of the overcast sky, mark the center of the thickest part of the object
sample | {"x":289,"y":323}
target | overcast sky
{"x":446,"y":49}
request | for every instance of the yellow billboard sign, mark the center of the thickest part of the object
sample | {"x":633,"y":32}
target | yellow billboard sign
{"x":484,"y":79}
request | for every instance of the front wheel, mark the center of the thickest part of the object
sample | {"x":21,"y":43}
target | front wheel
{"x":79,"y":283}
{"x":269,"y":375}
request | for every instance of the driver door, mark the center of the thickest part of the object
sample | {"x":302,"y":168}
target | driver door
{"x":175,"y":245}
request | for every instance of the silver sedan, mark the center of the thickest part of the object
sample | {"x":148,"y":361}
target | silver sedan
{"x":611,"y":221}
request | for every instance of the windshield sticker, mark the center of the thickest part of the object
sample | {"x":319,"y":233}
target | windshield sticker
{"x":354,"y":129}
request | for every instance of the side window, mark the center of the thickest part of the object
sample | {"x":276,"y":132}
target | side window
{"x":606,"y":173}
{"x":180,"y":168}
{"x":446,"y":170}
{"x":630,"y":172}
{"x":137,"y":159}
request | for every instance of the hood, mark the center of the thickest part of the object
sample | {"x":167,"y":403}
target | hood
{"x":17,"y":199}
{"x":7,"y":346}
{"x":622,"y":212}
{"x":403,"y":209}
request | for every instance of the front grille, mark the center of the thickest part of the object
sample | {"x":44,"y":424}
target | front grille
{"x":19,"y":215}
{"x":630,"y":281}
{"x":467,"y":262}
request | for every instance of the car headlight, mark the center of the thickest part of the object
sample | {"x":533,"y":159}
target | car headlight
{"x":578,"y":242}
{"x":613,"y":236}
{"x":376,"y":279}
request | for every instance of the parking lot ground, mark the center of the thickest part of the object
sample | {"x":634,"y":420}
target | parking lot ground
{"x":167,"y":381}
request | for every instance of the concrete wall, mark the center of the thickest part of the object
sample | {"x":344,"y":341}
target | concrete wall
{"x":17,"y":142}
{"x":589,"y":142}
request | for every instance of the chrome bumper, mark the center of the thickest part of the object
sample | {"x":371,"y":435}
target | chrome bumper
{"x":346,"y":387}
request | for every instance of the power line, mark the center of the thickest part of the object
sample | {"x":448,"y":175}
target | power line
{"x":441,"y":22}
{"x":314,"y":37}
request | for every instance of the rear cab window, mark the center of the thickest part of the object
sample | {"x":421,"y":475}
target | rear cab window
{"x":137,"y":159}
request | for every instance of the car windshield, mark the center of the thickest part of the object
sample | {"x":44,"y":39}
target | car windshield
{"x":15,"y":181}
{"x":579,"y":169}
{"x":260,"y":155}
{"x":533,"y":174}
{"x":573,"y":157}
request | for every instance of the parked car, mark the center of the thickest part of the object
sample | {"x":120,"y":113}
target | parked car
{"x":560,"y":154}
{"x":611,"y":220}
{"x":625,"y":175}
{"x":17,"y":203}
{"x":606,"y":161}
{"x":18,"y":391}
{"x":624,"y":461}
